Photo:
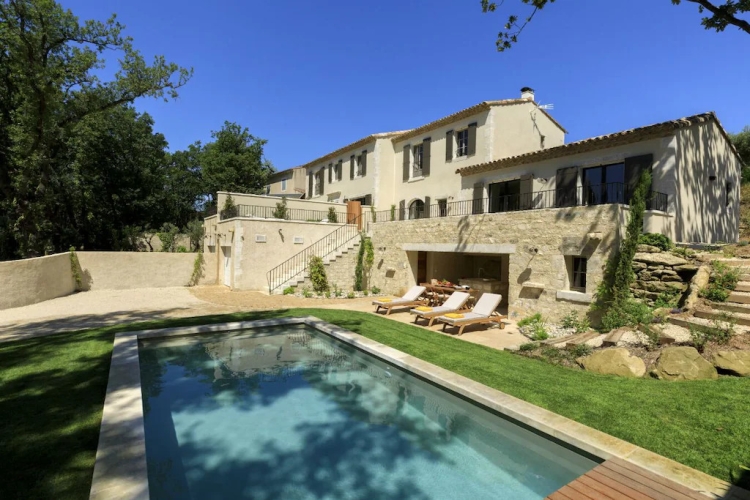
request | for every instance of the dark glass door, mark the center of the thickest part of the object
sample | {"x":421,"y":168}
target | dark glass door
{"x":505,"y":196}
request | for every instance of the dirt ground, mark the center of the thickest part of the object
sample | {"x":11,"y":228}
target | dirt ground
{"x":107,"y":307}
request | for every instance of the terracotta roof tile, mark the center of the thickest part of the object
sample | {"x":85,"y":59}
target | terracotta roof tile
{"x":594,"y":143}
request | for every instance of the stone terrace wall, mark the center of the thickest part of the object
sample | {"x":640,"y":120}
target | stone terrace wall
{"x":537,"y":242}
{"x":658,"y":273}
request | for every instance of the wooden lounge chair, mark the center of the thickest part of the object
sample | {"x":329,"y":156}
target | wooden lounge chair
{"x":482,"y":313}
{"x":455,"y":303}
{"x":410,"y":299}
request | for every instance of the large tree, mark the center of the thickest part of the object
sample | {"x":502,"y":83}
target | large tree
{"x":49,"y":63}
{"x":233,"y":161}
{"x":718,"y":16}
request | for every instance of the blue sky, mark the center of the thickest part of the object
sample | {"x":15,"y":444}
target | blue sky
{"x":312,"y":76}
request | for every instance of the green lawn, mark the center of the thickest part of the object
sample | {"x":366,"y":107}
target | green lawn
{"x":52,"y":390}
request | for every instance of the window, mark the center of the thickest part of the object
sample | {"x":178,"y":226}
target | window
{"x":605,"y":184}
{"x":505,"y":196}
{"x":416,"y":165}
{"x":729,"y":194}
{"x":462,"y":142}
{"x":442,"y":208}
{"x":283,"y":184}
{"x":337,"y":172}
{"x":358,"y":171}
{"x":318,"y":187}
{"x":578,"y":275}
{"x":416,"y":209}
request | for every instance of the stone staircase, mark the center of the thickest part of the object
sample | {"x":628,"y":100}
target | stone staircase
{"x":299,"y":275}
{"x":737,"y":304}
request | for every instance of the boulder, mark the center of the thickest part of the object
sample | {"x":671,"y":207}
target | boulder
{"x":683,"y":363}
{"x":616,"y":361}
{"x":659,"y":259}
{"x":647,"y":249}
{"x":735,"y":362}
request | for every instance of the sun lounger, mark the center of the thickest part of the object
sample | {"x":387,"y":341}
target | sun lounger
{"x":455,"y":303}
{"x":482,"y":313}
{"x":410,"y":299}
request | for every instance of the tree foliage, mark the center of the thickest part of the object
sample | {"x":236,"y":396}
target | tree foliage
{"x":718,"y":16}
{"x":741,"y":142}
{"x":79,"y":166}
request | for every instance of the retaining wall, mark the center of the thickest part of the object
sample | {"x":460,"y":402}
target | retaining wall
{"x":28,"y":281}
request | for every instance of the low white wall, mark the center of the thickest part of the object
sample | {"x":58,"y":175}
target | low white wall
{"x":123,"y":270}
{"x":271,"y":201}
{"x":28,"y":281}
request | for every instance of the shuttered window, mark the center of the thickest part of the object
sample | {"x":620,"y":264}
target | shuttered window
{"x":406,"y":162}
{"x":471,"y":147}
{"x":426,"y":152}
{"x":449,"y":145}
{"x":566,"y":187}
{"x":462,"y":143}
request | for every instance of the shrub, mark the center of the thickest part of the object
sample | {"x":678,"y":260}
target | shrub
{"x":350,"y":295}
{"x":629,"y":313}
{"x":168,"y":236}
{"x":318,"y":274}
{"x":534,"y":327}
{"x":332,"y":215}
{"x":657,"y":240}
{"x":365,"y":259}
{"x":307,"y":293}
{"x":281,"y":212}
{"x":529,"y":346}
{"x":723,"y":280}
{"x":197,"y":269}
{"x":375,"y":290}
{"x":580,"y":350}
{"x":337,"y":291}
{"x":572,"y":321}
{"x":229,"y":209}
{"x":327,"y":294}
{"x":289,"y":290}
{"x":393,"y":212}
{"x":534,"y":318}
{"x":668,"y":300}
{"x":182,"y":249}
{"x":195,"y":232}
{"x":75,"y":267}
{"x":720,"y":332}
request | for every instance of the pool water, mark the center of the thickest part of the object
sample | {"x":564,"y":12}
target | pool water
{"x":289,"y":412}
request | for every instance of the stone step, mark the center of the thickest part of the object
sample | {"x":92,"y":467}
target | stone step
{"x":697,"y":323}
{"x":744,"y":277}
{"x":563,"y":341}
{"x":613,"y":337}
{"x":742,"y":263}
{"x":732,"y":307}
{"x":739,"y":318}
{"x":742,"y":286}
{"x":581,"y":338}
{"x":739,"y":297}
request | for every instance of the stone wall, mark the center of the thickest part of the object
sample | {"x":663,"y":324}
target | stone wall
{"x":660,"y":273}
{"x":539,"y":244}
{"x":339,"y":272}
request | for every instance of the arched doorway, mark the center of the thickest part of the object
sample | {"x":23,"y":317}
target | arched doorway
{"x":416,"y":209}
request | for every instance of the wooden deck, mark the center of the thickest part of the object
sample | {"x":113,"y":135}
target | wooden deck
{"x":617,"y":479}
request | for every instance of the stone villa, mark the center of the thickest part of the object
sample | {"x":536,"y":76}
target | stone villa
{"x":493,"y":197}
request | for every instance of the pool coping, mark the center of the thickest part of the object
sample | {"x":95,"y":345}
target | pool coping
{"x":120,"y":468}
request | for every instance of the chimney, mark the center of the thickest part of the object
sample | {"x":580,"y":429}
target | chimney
{"x":527,"y":93}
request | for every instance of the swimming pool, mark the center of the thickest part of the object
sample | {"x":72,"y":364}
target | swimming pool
{"x":290,"y":412}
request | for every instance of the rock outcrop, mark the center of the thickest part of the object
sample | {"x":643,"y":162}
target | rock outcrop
{"x":734,"y":362}
{"x":658,"y":272}
{"x":617,"y":361}
{"x":683,"y":363}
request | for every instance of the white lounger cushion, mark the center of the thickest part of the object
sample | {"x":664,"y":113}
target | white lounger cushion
{"x":410,"y":296}
{"x":454,"y":303}
{"x":487,"y":304}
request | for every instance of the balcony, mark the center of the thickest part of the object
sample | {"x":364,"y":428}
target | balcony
{"x":601,"y":194}
{"x":292,"y":214}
